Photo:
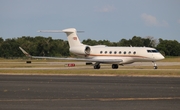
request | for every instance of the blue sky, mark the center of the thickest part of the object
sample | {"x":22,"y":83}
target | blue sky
{"x":100,"y":19}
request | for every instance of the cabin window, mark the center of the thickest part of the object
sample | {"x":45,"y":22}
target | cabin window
{"x":124,"y":52}
{"x":119,"y":52}
{"x":105,"y":52}
{"x":101,"y":52}
{"x":129,"y":52}
{"x":115,"y":52}
{"x":110,"y":52}
{"x":134,"y":52}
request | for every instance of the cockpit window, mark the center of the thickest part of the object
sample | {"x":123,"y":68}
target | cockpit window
{"x":149,"y":51}
{"x":152,"y":51}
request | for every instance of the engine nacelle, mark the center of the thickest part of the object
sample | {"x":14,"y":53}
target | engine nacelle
{"x":87,"y":50}
{"x":81,"y":50}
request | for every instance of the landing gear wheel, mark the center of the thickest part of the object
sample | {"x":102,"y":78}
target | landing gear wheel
{"x":155,"y":67}
{"x":115,"y":66}
{"x":97,"y":66}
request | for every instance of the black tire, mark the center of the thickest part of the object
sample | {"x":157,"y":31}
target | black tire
{"x":97,"y":66}
{"x":155,"y":67}
{"x":114,"y":66}
{"x":28,"y":61}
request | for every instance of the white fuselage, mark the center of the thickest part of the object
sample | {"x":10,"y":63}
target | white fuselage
{"x":126,"y":54}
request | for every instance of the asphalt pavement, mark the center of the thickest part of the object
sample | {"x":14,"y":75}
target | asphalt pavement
{"x":60,"y":92}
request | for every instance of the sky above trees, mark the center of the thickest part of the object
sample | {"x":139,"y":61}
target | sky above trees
{"x":110,"y":20}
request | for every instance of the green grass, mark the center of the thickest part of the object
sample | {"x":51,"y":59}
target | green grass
{"x":19,"y":66}
{"x":96,"y":72}
{"x":171,"y":59}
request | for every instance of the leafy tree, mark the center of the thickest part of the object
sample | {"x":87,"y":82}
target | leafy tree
{"x":137,"y":41}
{"x":9,"y":48}
{"x":42,"y":46}
{"x":90,"y":42}
{"x":124,"y":42}
{"x":169,"y":47}
{"x":150,"y":42}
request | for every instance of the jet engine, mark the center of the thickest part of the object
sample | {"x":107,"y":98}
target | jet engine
{"x":81,"y":50}
{"x":87,"y":50}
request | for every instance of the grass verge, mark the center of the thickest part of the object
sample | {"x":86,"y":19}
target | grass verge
{"x":97,"y":72}
{"x":42,"y":66}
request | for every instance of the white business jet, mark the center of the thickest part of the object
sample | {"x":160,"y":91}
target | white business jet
{"x":104,"y":54}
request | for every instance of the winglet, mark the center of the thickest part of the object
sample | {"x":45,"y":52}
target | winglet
{"x":27,"y":54}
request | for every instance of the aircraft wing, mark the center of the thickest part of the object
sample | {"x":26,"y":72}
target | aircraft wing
{"x":43,"y":57}
{"x":100,"y":60}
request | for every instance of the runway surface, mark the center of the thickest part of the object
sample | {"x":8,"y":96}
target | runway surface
{"x":32,"y":92}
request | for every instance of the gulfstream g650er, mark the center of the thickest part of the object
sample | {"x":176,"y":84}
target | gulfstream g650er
{"x":105,"y":54}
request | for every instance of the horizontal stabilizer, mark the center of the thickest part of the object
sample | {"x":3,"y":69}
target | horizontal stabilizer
{"x":58,"y":31}
{"x":51,"y":31}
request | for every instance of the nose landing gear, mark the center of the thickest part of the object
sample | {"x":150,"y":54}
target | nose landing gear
{"x":155,"y":65}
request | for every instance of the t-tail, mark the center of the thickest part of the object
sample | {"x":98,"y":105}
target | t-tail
{"x":71,"y":36}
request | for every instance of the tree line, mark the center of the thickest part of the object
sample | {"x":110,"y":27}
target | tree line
{"x":46,"y":46}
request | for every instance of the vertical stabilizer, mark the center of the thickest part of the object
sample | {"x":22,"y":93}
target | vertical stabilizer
{"x":72,"y":37}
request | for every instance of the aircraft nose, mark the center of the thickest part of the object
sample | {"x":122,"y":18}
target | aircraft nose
{"x":161,"y":57}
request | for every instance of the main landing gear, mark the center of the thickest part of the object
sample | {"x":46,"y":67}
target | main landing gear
{"x":97,"y":66}
{"x":155,"y":65}
{"x":115,"y":66}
